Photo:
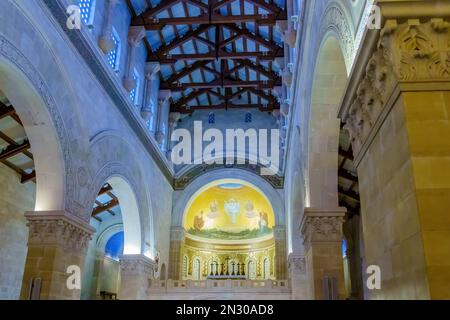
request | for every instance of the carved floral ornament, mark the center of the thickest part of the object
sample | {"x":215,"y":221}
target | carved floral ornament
{"x":322,"y":228}
{"x":411,"y":51}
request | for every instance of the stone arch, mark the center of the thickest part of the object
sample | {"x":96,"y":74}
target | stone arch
{"x":127,"y":178}
{"x":60,"y":109}
{"x":42,"y":122}
{"x":183,"y":197}
{"x":330,"y":78}
{"x":337,"y":21}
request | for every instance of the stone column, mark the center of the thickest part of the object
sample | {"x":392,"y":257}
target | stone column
{"x":135,"y":272}
{"x":163,"y":117}
{"x":396,"y":110}
{"x":176,"y":245}
{"x":135,"y":35}
{"x":174,"y":117}
{"x":279,"y":233}
{"x":106,"y":42}
{"x":322,"y":239}
{"x":150,"y":90}
{"x":57,"y":240}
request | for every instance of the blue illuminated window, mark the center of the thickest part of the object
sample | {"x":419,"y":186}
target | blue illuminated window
{"x":248,"y":117}
{"x":114,"y":246}
{"x":87,"y":11}
{"x":344,"y":248}
{"x":211,"y":118}
{"x":114,"y":55}
{"x":134,"y":94}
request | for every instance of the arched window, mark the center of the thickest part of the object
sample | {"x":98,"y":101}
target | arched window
{"x":114,"y":246}
{"x":114,"y":55}
{"x":251,"y":270}
{"x":211,"y":118}
{"x":87,"y":8}
{"x":196,"y":269}
{"x":248,"y":117}
{"x":134,"y":94}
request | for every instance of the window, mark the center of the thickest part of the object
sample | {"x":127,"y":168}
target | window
{"x":114,"y":246}
{"x":248,"y":117}
{"x":211,"y":118}
{"x":87,"y":8}
{"x":114,"y":55}
{"x":134,"y":94}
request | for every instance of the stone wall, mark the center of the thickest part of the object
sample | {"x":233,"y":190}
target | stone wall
{"x":15,"y":200}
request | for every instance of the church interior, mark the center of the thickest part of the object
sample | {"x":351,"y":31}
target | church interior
{"x":349,"y":199}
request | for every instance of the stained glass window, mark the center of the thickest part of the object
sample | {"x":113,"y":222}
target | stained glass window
{"x":114,"y":55}
{"x":87,"y":11}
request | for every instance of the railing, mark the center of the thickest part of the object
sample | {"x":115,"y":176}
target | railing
{"x":257,"y":286}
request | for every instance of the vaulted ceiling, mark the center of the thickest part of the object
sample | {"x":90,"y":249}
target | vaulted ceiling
{"x":214,"y":54}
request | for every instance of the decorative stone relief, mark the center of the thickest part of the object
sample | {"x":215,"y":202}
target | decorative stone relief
{"x":137,"y":265}
{"x":58,"y":230}
{"x":415,"y":50}
{"x":322,"y":228}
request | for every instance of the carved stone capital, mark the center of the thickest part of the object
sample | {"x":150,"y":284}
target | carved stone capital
{"x":50,"y":228}
{"x":151,"y":70}
{"x":404,"y":51}
{"x":135,"y":35}
{"x":137,"y":264}
{"x":320,"y":225}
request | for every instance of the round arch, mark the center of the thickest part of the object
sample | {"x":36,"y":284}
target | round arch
{"x":203,"y":182}
{"x":330,"y":78}
{"x":38,"y":118}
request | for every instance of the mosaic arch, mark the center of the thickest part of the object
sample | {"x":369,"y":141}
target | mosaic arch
{"x":229,"y":210}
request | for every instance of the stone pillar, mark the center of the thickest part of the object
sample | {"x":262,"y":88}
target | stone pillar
{"x":322,"y":239}
{"x":297,"y":276}
{"x":135,"y":35}
{"x":176,"y":245}
{"x":150,"y":91}
{"x":174,"y":117}
{"x":163,"y":117}
{"x":396,"y":110}
{"x":135,"y":272}
{"x":106,"y":42}
{"x":56,"y":241}
{"x":279,"y":233}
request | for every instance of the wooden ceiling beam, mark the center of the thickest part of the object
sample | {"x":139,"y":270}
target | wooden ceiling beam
{"x":222,"y":55}
{"x":6,"y":111}
{"x":106,"y":188}
{"x":216,"y":19}
{"x":104,"y":207}
{"x":265,"y":84}
{"x":251,"y":36}
{"x":160,"y":7}
{"x":348,"y":193}
{"x":346,"y":154}
{"x":25,"y":177}
{"x":270,"y":7}
{"x":225,"y":105}
{"x":345,"y":174}
{"x":13,"y":150}
{"x":186,"y":71}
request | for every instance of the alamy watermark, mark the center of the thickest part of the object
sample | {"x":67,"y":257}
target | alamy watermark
{"x":235,"y":146}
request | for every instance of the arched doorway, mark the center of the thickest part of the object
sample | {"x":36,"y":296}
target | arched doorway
{"x":226,"y":223}
{"x":115,"y":217}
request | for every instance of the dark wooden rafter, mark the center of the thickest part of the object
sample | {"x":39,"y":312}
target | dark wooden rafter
{"x":220,"y":48}
{"x":13,"y":148}
{"x":107,"y":206}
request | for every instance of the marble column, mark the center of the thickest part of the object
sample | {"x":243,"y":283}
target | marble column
{"x":106,"y":42}
{"x":176,"y":245}
{"x":150,"y":91}
{"x":135,"y":36}
{"x":396,"y":110}
{"x":322,"y":238}
{"x":135,"y":272}
{"x":279,"y":233}
{"x":174,"y":117}
{"x":57,"y":244}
